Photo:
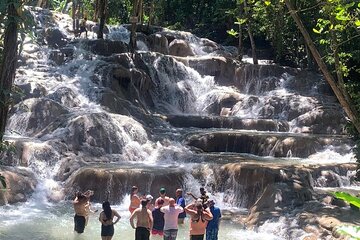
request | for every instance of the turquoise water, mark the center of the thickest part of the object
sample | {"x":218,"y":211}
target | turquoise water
{"x":32,"y":220}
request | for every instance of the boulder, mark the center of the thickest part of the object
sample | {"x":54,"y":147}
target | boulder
{"x":33,"y":115}
{"x":66,"y":97}
{"x":255,"y":79}
{"x":55,"y":38}
{"x":28,"y":90}
{"x":321,"y":120}
{"x":159,"y":43}
{"x":105,"y":47}
{"x":101,"y":133}
{"x":223,"y":69}
{"x":20,"y":184}
{"x":180,"y":48}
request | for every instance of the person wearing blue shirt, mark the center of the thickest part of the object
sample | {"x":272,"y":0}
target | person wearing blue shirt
{"x":212,"y":228}
{"x":180,"y":201}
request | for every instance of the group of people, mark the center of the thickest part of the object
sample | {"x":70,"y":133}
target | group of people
{"x":160,"y":218}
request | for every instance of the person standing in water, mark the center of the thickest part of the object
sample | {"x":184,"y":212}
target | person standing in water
{"x":203,"y":195}
{"x":199,"y":220}
{"x":81,"y":205}
{"x":144,"y":221}
{"x":158,"y":216}
{"x":107,"y":221}
{"x":180,"y":201}
{"x":163,"y":196}
{"x":212,"y":228}
{"x":134,"y":199}
{"x":83,"y":27}
{"x":171,"y":213}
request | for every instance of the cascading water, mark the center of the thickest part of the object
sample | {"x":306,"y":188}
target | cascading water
{"x":64,"y":119}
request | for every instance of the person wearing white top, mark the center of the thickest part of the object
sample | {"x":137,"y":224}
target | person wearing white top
{"x":171,"y":213}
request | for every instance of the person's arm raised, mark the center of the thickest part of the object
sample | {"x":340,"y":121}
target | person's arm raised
{"x":207,"y":214}
{"x":189,"y":209}
{"x":190,"y":194}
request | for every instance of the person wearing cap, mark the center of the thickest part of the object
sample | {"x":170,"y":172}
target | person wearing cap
{"x":171,"y":213}
{"x":149,"y":198}
{"x":163,"y":196}
{"x":212,"y":228}
{"x":134,"y":199}
{"x":158,"y":216}
{"x":203,"y":195}
{"x":144,"y":221}
{"x":180,"y":201}
{"x":199,"y":218}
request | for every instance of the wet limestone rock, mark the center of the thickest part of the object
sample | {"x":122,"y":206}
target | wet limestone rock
{"x":20,"y":184}
{"x":113,"y":183}
{"x":101,"y":133}
{"x":33,"y":115}
{"x":223,"y":69}
{"x":159,"y":43}
{"x":66,"y":97}
{"x":105,"y":47}
{"x":28,"y":90}
{"x":180,"y":48}
{"x":55,"y":38}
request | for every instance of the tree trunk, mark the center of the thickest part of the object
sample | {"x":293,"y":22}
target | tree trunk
{"x":96,"y":10}
{"x":350,"y":111}
{"x":251,"y":37}
{"x":240,"y":46}
{"x":102,"y":12}
{"x":8,"y":66}
{"x":151,"y":13}
{"x":135,"y":14}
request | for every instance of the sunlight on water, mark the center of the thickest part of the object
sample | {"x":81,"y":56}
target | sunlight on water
{"x":37,"y":221}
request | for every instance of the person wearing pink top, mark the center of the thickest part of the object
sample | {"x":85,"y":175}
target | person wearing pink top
{"x":199,"y":218}
{"x":171,"y":213}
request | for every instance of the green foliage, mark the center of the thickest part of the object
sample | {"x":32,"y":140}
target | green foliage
{"x":58,"y":5}
{"x":353,"y":232}
{"x":232,"y":32}
{"x":348,"y":198}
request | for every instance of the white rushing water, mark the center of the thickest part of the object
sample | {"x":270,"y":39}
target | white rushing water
{"x":39,"y":218}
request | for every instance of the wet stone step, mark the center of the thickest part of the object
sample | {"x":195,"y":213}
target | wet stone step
{"x":266,"y":144}
{"x":227,"y":122}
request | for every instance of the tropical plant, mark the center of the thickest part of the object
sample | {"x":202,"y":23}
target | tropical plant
{"x":353,"y":232}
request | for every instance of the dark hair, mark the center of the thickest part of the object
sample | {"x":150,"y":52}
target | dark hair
{"x":160,"y":201}
{"x":133,"y":189}
{"x":80,"y":195}
{"x":144,"y":202}
{"x":107,"y":209}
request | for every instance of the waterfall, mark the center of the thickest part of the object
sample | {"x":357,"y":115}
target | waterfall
{"x":89,"y":118}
